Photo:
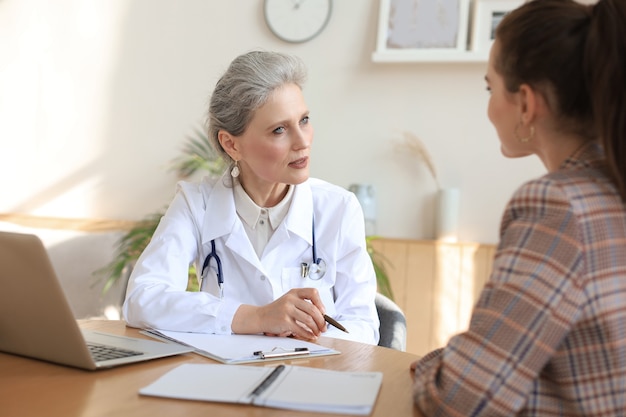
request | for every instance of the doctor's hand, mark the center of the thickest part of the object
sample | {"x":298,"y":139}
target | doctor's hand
{"x":297,"y":313}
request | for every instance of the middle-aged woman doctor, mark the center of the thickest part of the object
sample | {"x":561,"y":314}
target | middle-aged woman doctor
{"x":275,"y":249}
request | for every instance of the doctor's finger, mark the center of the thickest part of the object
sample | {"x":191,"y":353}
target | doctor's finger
{"x":309,"y":315}
{"x":312,"y":295}
{"x":302,"y":331}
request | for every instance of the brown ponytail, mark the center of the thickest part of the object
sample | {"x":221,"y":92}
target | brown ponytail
{"x":605,"y":68}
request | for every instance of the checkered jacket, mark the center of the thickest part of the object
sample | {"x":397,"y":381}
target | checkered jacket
{"x":547,"y":336}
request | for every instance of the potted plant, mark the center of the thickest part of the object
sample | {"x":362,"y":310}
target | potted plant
{"x":197,"y":155}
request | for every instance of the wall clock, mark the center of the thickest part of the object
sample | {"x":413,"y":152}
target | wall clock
{"x":297,"y":20}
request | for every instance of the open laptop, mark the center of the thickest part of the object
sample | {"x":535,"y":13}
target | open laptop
{"x":36,"y":320}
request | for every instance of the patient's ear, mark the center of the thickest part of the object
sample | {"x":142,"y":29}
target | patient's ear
{"x":532,"y":103}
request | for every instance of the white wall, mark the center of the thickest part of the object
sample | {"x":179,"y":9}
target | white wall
{"x":96,"y":97}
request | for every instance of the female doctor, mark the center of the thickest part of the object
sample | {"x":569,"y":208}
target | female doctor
{"x":274,"y":249}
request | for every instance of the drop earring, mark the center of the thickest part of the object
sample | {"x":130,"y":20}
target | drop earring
{"x":235,"y":171}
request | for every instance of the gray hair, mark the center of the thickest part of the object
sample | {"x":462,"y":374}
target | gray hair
{"x":245,"y":86}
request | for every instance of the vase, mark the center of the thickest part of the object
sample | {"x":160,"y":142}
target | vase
{"x":367,"y":199}
{"x":447,"y":214}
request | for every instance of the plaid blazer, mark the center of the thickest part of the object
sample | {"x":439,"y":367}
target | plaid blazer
{"x":547,"y":336}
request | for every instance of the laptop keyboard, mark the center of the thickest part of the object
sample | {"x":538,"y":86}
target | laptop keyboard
{"x":103,"y":352}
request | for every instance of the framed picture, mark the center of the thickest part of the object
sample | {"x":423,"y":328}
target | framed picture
{"x":407,"y":26}
{"x":485,"y":18}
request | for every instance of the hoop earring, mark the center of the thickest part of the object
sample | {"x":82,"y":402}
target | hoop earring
{"x":235,"y":171}
{"x":524,"y":139}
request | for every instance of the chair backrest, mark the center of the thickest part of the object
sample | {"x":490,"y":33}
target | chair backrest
{"x":392,"y":323}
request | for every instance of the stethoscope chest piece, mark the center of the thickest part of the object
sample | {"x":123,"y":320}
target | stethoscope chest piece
{"x":314,"y":271}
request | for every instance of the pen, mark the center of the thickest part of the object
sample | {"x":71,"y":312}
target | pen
{"x":282,"y":353}
{"x":335,"y":323}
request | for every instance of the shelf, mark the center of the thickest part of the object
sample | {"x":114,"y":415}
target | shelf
{"x":433,"y":56}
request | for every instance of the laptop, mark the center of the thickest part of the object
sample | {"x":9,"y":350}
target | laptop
{"x":36,"y":320}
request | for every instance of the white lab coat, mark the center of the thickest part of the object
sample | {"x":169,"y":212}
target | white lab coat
{"x":200,"y":212}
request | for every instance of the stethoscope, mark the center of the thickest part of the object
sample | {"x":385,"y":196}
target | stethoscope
{"x":314,"y":270}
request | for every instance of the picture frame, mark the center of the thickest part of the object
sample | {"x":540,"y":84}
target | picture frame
{"x":410,"y":27}
{"x":486,"y":15}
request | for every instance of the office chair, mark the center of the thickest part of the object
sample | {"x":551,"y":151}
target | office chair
{"x":392,"y":323}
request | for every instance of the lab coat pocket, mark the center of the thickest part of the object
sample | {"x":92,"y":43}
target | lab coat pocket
{"x":292,"y":278}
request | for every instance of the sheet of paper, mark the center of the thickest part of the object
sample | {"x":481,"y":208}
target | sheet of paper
{"x":241,"y":348}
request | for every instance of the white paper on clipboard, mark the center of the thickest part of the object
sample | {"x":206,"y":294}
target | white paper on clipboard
{"x":240,"y":348}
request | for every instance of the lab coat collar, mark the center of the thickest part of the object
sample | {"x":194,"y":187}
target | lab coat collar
{"x":300,"y":216}
{"x":221,"y":219}
{"x":220,"y":216}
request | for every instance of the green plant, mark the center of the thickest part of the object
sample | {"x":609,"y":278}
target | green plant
{"x":129,"y":248}
{"x":380,"y":268}
{"x":197,"y":155}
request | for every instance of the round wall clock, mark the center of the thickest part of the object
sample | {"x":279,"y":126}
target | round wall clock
{"x":297,"y":20}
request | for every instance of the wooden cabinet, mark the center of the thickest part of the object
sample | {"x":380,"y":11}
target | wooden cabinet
{"x":436,"y":285}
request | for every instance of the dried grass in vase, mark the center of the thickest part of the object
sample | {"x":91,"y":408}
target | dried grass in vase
{"x":415,"y":147}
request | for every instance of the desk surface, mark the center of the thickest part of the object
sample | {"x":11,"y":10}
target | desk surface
{"x":33,"y":388}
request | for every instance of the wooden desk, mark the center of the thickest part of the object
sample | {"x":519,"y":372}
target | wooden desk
{"x":33,"y":388}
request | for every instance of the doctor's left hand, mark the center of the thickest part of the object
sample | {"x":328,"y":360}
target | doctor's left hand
{"x":297,"y":313}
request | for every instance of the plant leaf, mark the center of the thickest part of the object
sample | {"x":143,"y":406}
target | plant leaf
{"x":197,"y":155}
{"x":380,"y":262}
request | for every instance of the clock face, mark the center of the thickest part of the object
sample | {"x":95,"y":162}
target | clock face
{"x":297,"y":20}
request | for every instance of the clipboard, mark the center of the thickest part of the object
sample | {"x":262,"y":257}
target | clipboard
{"x":242,"y":348}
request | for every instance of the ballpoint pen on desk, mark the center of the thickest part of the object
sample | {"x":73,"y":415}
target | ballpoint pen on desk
{"x":335,"y":323}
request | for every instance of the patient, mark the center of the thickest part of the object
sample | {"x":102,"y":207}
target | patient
{"x":548,"y":334}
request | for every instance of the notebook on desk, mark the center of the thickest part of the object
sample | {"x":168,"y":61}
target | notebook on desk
{"x":287,"y":387}
{"x":36,"y":320}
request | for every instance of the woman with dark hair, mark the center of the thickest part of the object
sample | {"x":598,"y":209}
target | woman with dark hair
{"x":548,"y":333}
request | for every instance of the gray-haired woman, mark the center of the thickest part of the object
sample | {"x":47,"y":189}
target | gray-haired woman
{"x":274,"y":249}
